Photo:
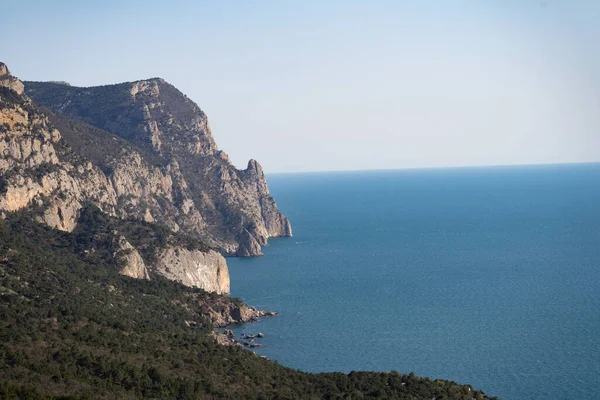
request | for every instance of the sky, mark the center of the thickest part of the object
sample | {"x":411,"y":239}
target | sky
{"x":342,"y":85}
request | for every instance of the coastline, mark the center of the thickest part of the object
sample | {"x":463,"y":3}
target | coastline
{"x":227,"y":315}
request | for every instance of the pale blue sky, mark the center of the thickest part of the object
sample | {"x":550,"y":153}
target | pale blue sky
{"x":336,"y":85}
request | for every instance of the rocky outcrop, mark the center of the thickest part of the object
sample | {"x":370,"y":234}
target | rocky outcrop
{"x":133,"y":264}
{"x":206,"y":270}
{"x":58,"y":194}
{"x":19,"y":146}
{"x":232,"y":314}
{"x":32,"y":173}
{"x":226,"y":338}
{"x":248,"y":245}
{"x":232,"y":208}
{"x":9,"y":81}
{"x":154,"y":194}
{"x":276,"y":224}
{"x":145,"y":188}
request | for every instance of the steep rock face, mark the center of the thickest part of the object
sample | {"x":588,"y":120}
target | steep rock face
{"x":32,"y":173}
{"x":154,"y":194}
{"x":145,"y":187}
{"x":276,"y":223}
{"x":41,"y":172}
{"x":166,"y":125}
{"x":9,"y":81}
{"x":133,"y":264}
{"x":207,"y":270}
{"x":248,"y":245}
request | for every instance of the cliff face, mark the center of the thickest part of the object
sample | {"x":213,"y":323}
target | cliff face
{"x":32,"y":170}
{"x":133,"y":264}
{"x":232,"y":208}
{"x":145,"y":188}
{"x":53,"y":166}
{"x":207,"y":270}
{"x":9,"y":81}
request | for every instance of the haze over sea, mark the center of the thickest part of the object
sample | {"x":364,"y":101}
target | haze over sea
{"x":488,"y":276}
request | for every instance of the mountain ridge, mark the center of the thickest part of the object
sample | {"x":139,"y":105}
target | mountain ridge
{"x":157,"y":117}
{"x":161,"y":167}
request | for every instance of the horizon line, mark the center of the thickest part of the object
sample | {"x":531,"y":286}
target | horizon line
{"x":435,"y":167}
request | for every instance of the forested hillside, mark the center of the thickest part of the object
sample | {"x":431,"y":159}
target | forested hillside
{"x":72,"y":327}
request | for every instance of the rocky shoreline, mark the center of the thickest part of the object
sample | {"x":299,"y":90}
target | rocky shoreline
{"x":235,"y":316}
{"x":227,"y":338}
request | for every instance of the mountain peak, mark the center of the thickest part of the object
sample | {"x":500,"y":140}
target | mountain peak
{"x":3,"y":69}
{"x":149,"y":87}
{"x":254,"y":167}
{"x":210,"y":195}
{"x":9,"y":81}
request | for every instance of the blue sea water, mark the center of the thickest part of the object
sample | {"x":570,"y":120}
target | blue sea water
{"x":488,"y":276}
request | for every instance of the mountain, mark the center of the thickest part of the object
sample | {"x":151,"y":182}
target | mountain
{"x":138,"y":151}
{"x":56,"y":177}
{"x":232,"y":207}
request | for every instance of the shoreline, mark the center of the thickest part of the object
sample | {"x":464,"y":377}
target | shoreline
{"x":225,"y":336}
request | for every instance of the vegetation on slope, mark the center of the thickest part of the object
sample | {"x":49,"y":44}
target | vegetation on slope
{"x":95,"y":234}
{"x":98,"y":146}
{"x":72,"y":328}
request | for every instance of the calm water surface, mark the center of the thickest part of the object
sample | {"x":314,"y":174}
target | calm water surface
{"x":488,"y":276}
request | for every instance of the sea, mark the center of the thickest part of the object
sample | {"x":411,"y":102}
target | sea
{"x":488,"y":276}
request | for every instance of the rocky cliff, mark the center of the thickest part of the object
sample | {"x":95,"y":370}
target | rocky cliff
{"x":159,"y":166}
{"x":9,"y":81}
{"x":133,"y":264}
{"x":231,"y":208}
{"x":35,"y":168}
{"x":194,"y":268}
